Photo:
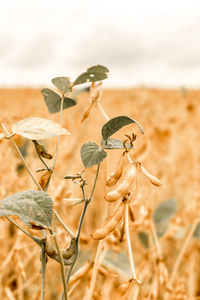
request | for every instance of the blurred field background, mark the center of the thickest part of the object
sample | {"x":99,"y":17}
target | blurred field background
{"x":169,"y":150}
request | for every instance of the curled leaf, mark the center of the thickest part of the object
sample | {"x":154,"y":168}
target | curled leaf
{"x":116,"y":124}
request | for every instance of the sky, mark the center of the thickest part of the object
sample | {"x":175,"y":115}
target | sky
{"x":150,"y":43}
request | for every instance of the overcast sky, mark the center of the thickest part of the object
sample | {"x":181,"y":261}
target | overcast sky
{"x":152,"y":43}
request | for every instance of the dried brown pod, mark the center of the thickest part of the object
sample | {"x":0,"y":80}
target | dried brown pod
{"x":155,"y":181}
{"x":118,"y":172}
{"x":42,"y":151}
{"x":123,"y":188}
{"x":110,"y":225}
{"x":45,"y":179}
{"x":87,"y":112}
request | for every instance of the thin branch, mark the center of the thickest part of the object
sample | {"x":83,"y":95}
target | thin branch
{"x":103,"y":111}
{"x":128,"y":241}
{"x":72,"y":235}
{"x":58,"y":140}
{"x":157,"y":244}
{"x":46,"y":166}
{"x":34,"y":238}
{"x":23,"y":160}
{"x":94,"y":185}
{"x":98,"y":257}
{"x":43,"y":271}
{"x":62,"y":265}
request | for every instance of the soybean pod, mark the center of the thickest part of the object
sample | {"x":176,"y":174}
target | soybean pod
{"x":118,"y":172}
{"x":123,"y":188}
{"x":111,"y":224}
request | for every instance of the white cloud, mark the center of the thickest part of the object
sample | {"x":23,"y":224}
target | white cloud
{"x":148,"y":42}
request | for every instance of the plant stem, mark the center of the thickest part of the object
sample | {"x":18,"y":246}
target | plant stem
{"x":58,"y":140}
{"x":46,"y":166}
{"x":43,"y":271}
{"x":23,"y":160}
{"x":103,"y":111}
{"x":36,"y":239}
{"x":94,"y":185}
{"x":62,"y":265}
{"x":128,"y":241}
{"x":98,"y":256}
{"x":157,"y":244}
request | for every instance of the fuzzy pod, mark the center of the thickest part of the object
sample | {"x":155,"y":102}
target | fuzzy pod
{"x":155,"y":181}
{"x":111,"y":224}
{"x":123,"y":188}
{"x":118,"y":172}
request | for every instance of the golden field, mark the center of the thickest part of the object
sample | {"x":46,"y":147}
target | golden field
{"x":169,"y":150}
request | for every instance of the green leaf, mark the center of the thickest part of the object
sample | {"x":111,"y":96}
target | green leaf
{"x":91,"y":154}
{"x":197,"y":232}
{"x":161,"y":228}
{"x":34,"y":208}
{"x":38,"y":128}
{"x":116,"y":124}
{"x":118,"y":262}
{"x":113,"y":144}
{"x":144,"y":239}
{"x":53,"y":101}
{"x":95,"y":73}
{"x":165,"y":211}
{"x":62,"y":83}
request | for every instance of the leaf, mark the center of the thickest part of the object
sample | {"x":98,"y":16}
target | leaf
{"x":197,"y":232}
{"x":53,"y":101}
{"x":161,"y":228}
{"x":91,"y":154}
{"x":144,"y":239}
{"x":34,"y":208}
{"x":118,"y":262}
{"x":38,"y":128}
{"x":165,"y":211}
{"x":113,"y":144}
{"x":94,"y":73}
{"x":116,"y":124}
{"x":62,"y":83}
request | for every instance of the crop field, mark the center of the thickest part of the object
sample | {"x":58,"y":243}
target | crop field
{"x":164,"y":220}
